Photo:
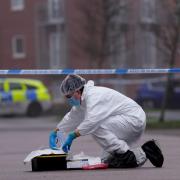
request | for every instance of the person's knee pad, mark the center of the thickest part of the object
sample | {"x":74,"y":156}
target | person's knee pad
{"x":125,"y":160}
{"x":140,"y":155}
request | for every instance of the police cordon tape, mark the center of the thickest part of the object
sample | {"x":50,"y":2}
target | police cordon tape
{"x":87,"y":71}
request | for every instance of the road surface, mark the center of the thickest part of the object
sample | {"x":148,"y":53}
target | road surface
{"x":19,"y":136}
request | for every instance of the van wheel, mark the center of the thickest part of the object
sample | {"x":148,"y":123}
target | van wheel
{"x":34,"y":109}
{"x":148,"y":104}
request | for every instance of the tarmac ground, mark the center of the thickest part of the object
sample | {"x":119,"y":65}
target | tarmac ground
{"x":20,"y":135}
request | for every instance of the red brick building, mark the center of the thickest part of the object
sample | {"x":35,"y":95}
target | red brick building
{"x":44,"y":33}
{"x":17,"y":34}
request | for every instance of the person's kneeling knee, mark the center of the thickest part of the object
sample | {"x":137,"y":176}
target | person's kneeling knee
{"x":130,"y":159}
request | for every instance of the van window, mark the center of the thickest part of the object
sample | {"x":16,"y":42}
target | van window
{"x":15,"y":86}
{"x":159,"y":86}
{"x":177,"y":86}
{"x":1,"y":87}
{"x":30,"y":87}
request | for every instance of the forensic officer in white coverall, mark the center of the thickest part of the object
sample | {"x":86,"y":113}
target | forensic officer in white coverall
{"x":114,"y":120}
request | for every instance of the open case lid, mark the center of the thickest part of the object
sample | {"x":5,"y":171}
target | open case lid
{"x":43,"y":152}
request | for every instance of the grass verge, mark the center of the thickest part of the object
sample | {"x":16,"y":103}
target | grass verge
{"x":168,"y":124}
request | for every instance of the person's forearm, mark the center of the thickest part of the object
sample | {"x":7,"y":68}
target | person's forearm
{"x":76,"y":132}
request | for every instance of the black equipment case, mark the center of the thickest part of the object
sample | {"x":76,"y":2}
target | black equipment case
{"x":49,"y":162}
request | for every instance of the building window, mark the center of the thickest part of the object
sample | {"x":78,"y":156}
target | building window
{"x":17,"y":5}
{"x":148,"y":11}
{"x":55,"y":9}
{"x":18,"y":47}
{"x":149,"y":50}
{"x":54,"y":50}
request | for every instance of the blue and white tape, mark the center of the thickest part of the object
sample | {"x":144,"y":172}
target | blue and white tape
{"x":86,"y":71}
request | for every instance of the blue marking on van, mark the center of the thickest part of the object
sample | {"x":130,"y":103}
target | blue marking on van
{"x":31,"y":95}
{"x":6,"y":97}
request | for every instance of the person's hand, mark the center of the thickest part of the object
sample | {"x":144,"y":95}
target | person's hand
{"x":67,"y":144}
{"x":53,"y":140}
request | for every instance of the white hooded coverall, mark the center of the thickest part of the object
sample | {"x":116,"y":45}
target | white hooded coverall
{"x":114,"y":120}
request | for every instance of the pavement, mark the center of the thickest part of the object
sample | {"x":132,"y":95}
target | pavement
{"x":20,"y":135}
{"x":172,"y":115}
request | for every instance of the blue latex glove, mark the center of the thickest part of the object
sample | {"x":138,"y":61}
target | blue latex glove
{"x":67,"y":144}
{"x":52,"y":140}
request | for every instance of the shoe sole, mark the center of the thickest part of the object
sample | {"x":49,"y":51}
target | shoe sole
{"x":153,"y":153}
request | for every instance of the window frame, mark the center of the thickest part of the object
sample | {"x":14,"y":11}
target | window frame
{"x":17,"y":5}
{"x":15,"y":53}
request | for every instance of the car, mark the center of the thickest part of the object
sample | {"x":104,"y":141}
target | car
{"x":23,"y":96}
{"x":151,"y":94}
